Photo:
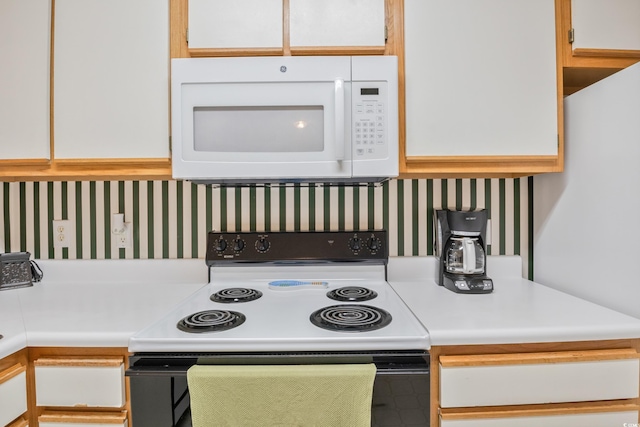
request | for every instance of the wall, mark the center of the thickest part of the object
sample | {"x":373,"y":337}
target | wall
{"x":170,"y":218}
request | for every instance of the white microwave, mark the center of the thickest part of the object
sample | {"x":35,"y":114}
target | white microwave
{"x":285,"y":119}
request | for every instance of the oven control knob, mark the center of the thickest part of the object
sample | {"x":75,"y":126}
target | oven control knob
{"x":221,"y":245}
{"x":355,"y":244}
{"x":238,"y":245}
{"x":262,"y":245}
{"x":374,"y":244}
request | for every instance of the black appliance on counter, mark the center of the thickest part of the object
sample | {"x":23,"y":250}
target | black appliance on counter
{"x":460,"y":242}
{"x":287,"y":298}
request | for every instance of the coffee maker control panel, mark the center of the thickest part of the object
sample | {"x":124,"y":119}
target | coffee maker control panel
{"x":474,"y":285}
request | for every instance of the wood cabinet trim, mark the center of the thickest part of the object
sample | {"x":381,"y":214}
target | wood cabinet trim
{"x":59,"y":361}
{"x":606,"y":53}
{"x":12,"y":372}
{"x":207,"y":52}
{"x":538,"y":410}
{"x":20,"y":422}
{"x":83,"y":417}
{"x":88,"y":169}
{"x":538,"y":358}
{"x":341,"y":50}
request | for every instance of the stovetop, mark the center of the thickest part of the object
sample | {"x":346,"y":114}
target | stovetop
{"x":290,"y":294}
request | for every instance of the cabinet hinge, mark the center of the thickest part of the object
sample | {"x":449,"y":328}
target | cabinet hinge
{"x":571,"y":35}
{"x":386,"y":33}
{"x":170,"y":145}
{"x":186,"y":35}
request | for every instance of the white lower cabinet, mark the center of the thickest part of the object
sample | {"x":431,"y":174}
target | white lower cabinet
{"x":586,"y":388}
{"x":13,"y":393}
{"x":70,"y":419}
{"x":72,"y":382}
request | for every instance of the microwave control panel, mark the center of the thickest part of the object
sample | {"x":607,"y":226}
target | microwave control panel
{"x":369,"y":118}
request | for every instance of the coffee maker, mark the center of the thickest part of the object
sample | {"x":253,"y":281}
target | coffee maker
{"x":460,"y":246}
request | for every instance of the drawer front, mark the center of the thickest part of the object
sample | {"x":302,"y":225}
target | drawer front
{"x":569,"y":420}
{"x":13,"y":393}
{"x":92,"y":386}
{"x":552,"y":380}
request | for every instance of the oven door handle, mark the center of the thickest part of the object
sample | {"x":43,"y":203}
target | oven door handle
{"x":180,"y":371}
{"x":165,"y":371}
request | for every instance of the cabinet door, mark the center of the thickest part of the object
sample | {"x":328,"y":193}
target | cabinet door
{"x":24,"y":79}
{"x":111,"y":79}
{"x":223,"y":24}
{"x":481,"y":78}
{"x":13,"y":393}
{"x":337,"y":23}
{"x":606,"y":24}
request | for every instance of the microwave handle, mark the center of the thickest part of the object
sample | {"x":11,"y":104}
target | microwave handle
{"x":339,"y":122}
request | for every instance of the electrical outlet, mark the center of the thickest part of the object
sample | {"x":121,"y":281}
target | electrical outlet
{"x":124,"y":239}
{"x":63,"y":233}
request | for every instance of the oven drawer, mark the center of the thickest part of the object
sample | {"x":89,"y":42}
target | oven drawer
{"x":531,"y":378}
{"x":72,"y":381}
{"x":85,"y":419}
{"x":13,"y":393}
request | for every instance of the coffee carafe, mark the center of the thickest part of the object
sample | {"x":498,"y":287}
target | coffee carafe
{"x":460,"y":247}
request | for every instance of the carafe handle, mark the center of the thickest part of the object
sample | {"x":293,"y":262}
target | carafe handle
{"x":469,"y":255}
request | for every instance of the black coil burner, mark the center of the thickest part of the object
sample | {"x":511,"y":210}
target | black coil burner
{"x":231,"y":295}
{"x":352,"y":294}
{"x":350,"y":318}
{"x":211,"y":321}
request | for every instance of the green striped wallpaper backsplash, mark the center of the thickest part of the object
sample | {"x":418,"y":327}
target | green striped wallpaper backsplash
{"x":170,"y":218}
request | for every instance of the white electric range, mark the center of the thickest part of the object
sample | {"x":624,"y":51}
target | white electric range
{"x":284,"y":297}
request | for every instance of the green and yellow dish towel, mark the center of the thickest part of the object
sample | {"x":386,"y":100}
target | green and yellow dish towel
{"x":281,"y":395}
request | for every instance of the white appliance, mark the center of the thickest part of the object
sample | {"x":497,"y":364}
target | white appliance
{"x":285,"y":119}
{"x":586,"y":230}
{"x":286,"y":298}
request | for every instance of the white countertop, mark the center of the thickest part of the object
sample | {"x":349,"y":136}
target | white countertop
{"x":517,"y":311}
{"x":94,"y":303}
{"x":102,"y":303}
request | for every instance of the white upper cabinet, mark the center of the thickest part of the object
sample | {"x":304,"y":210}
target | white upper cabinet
{"x":606,"y":24}
{"x":235,"y":24}
{"x":316,"y":23}
{"x":111,"y":79}
{"x":24,"y":79}
{"x":481,"y":78}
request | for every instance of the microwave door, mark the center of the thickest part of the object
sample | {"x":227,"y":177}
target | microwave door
{"x":266,"y":131}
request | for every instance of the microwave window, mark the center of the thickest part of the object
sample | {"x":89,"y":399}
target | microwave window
{"x":269,"y":129}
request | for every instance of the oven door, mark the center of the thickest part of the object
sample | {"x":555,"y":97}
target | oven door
{"x":261,"y":118}
{"x":160,"y":397}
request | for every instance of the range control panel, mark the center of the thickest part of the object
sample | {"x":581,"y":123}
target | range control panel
{"x":297,"y":247}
